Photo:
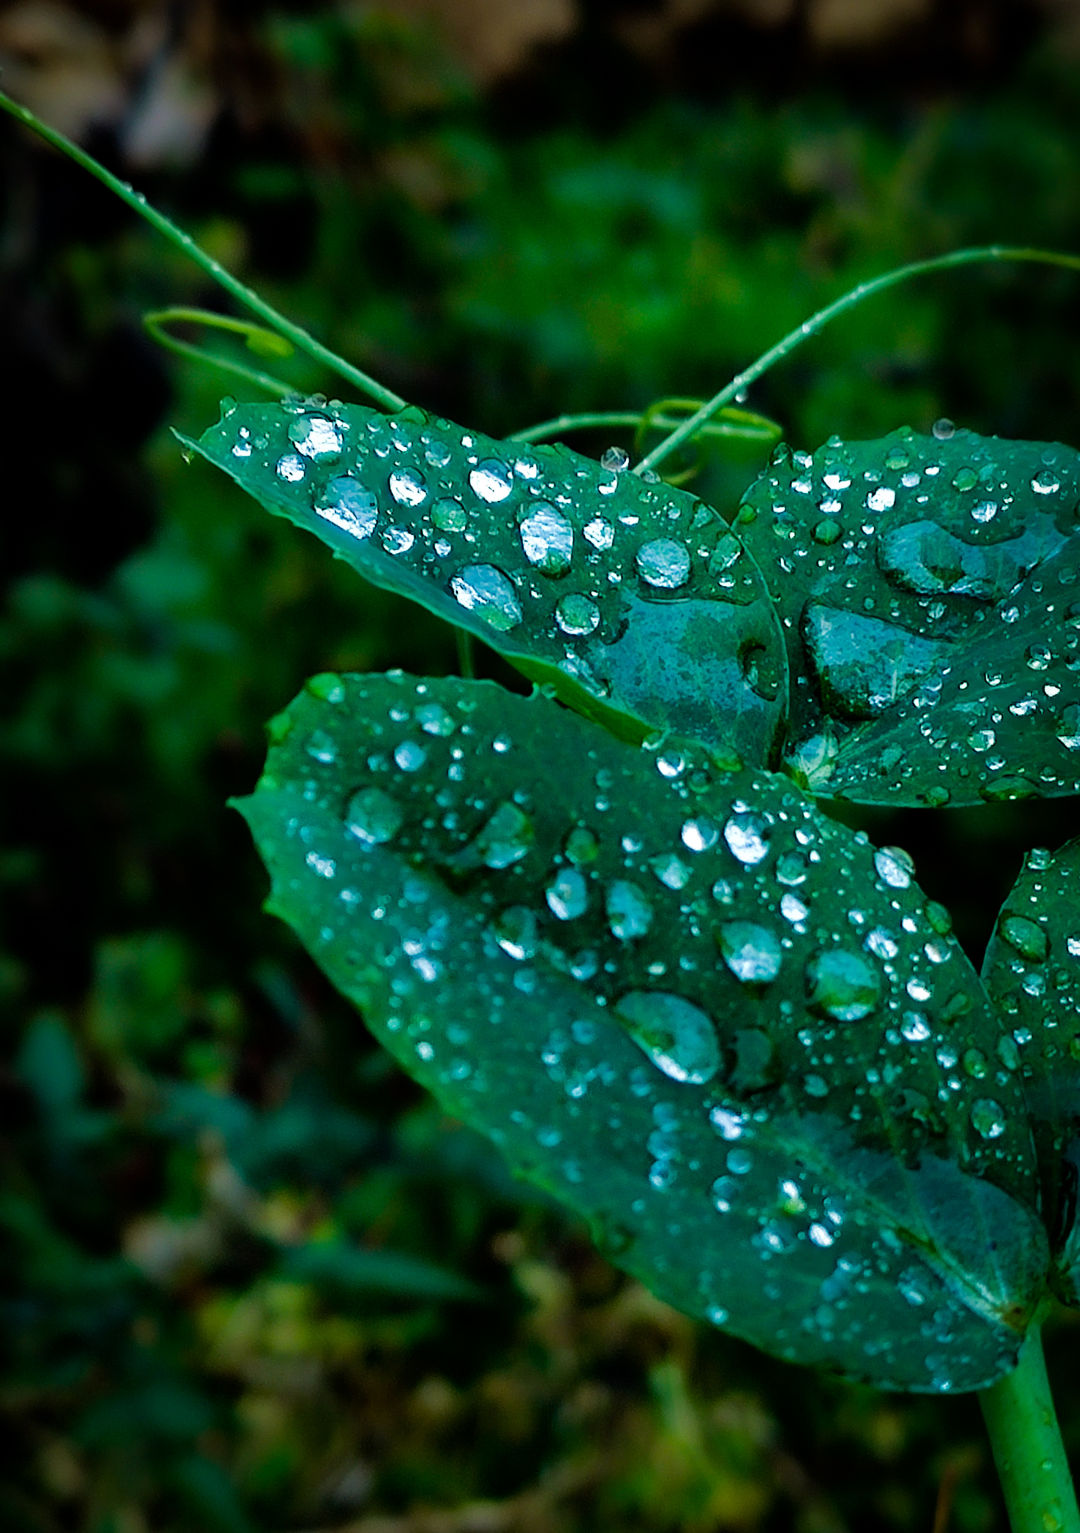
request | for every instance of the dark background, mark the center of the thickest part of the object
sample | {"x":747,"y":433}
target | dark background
{"x":253,"y":1280}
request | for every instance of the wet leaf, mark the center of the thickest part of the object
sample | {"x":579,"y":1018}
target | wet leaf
{"x":1032,"y":972}
{"x":918,"y":582}
{"x":717,"y":1024}
{"x":634,"y":600}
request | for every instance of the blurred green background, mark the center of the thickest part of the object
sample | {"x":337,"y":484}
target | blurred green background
{"x":250,"y":1279}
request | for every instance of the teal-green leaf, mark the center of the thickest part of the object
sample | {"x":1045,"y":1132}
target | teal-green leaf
{"x":909,"y":573}
{"x":717,"y":1024}
{"x":1000,"y":721}
{"x":1032,"y":972}
{"x":634,"y":600}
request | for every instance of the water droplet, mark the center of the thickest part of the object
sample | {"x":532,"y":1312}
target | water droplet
{"x":491,"y":480}
{"x":349,"y":506}
{"x":792,"y":908}
{"x":547,"y":538}
{"x":751,"y":952}
{"x":700,"y":834}
{"x":943,"y":429}
{"x":1045,"y":482}
{"x":677,"y":1036}
{"x":485,"y":590}
{"x":791,"y":869}
{"x":914,"y":1027}
{"x":894,"y":866}
{"x":577,"y":615}
{"x":321,"y":746}
{"x":842,"y":985}
{"x":881,"y":499}
{"x":291,"y":468}
{"x":567,"y":894}
{"x":615,"y":459}
{"x":747,"y":836}
{"x":410,"y":755}
{"x":988,"y":1119}
{"x":628,"y":910}
{"x":316,"y":437}
{"x":670,"y":870}
{"x":827,"y":532}
{"x":435,"y":720}
{"x":1029,"y":940}
{"x":373,"y":817}
{"x":965,"y":478}
{"x":881,"y":943}
{"x":663,"y":563}
{"x":515,"y":931}
{"x":408,"y":487}
{"x":1067,"y":727}
{"x":600,"y":533}
{"x":449,"y":515}
{"x":505,"y":838}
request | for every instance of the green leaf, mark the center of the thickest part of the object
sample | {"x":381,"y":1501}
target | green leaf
{"x":1002,"y":721}
{"x":681,"y":999}
{"x":1032,"y":972}
{"x":634,"y":600}
{"x":909,"y":573}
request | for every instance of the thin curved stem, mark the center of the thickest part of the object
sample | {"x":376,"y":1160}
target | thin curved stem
{"x":818,"y":321}
{"x":155,"y":326}
{"x":243,"y":294}
{"x":743,"y":424}
{"x":1028,"y":1451}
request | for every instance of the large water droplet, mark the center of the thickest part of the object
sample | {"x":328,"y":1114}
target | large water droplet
{"x":515,"y":931}
{"x":408,"y":487}
{"x":842,"y":985}
{"x":485,"y":590}
{"x":677,"y":1036}
{"x":663,"y":563}
{"x":373,"y":817}
{"x":988,"y":1119}
{"x":751,"y":952}
{"x":347,"y":504}
{"x":505,"y":838}
{"x":449,"y":515}
{"x":291,"y":467}
{"x":547,"y":538}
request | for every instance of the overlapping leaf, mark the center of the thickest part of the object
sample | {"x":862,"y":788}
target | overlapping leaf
{"x":719,"y":1025}
{"x":635,"y":600}
{"x":927,"y":592}
{"x":1032,"y":972}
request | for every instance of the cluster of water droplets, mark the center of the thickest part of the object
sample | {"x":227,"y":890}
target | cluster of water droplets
{"x":908,"y":569}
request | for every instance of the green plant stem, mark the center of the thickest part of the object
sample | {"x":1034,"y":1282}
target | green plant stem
{"x":743,"y":424}
{"x":689,"y":427}
{"x":225,"y":279}
{"x":1028,"y":1450}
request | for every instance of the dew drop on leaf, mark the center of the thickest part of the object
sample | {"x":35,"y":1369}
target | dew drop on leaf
{"x":577,"y":615}
{"x":628,"y":909}
{"x":1029,"y":939}
{"x":373,"y":817}
{"x":491,"y":481}
{"x":677,"y":1036}
{"x":316,"y":437}
{"x":547,"y":538}
{"x":346,"y":504}
{"x":484,"y":589}
{"x":747,"y":836}
{"x":751,"y":951}
{"x":894,"y":867}
{"x":663,"y":563}
{"x":567,"y":894}
{"x":842,"y":985}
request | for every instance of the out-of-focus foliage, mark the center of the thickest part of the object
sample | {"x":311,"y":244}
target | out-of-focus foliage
{"x":250,"y":1279}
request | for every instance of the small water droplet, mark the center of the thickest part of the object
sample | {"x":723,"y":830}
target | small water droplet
{"x":628,"y":910}
{"x":408,"y":487}
{"x":491,"y":481}
{"x":567,"y":894}
{"x":1045,"y":482}
{"x":505,"y":838}
{"x":373,"y":817}
{"x":615,"y":459}
{"x":321,"y":746}
{"x":988,"y":1119}
{"x":291,"y":467}
{"x":1029,"y":940}
{"x":515,"y":932}
{"x":577,"y":615}
{"x":449,"y":515}
{"x":700,"y":834}
{"x":894,"y":866}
